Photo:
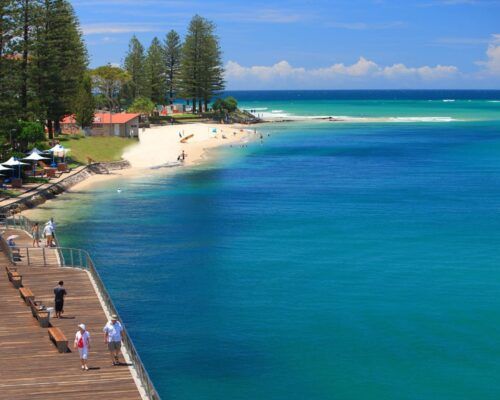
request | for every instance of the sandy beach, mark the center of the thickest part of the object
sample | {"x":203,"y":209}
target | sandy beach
{"x":162,"y":145}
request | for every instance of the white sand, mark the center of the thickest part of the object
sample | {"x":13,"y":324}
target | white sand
{"x":161,"y":145}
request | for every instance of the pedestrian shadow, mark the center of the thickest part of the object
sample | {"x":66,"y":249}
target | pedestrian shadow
{"x":94,"y":368}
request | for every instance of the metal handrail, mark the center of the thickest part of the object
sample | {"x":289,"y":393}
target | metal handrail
{"x":76,"y":258}
{"x":143,"y":375}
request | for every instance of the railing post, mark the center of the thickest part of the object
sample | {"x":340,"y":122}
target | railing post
{"x":81,"y":261}
{"x":28,"y":255}
{"x":72,"y":262}
{"x":44,"y":259}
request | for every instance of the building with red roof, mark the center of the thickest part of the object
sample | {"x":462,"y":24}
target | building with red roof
{"x":106,"y":124}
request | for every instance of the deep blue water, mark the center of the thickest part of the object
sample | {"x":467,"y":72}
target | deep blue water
{"x":335,"y":261}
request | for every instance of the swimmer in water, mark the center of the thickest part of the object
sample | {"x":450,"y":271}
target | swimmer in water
{"x":119,"y":190}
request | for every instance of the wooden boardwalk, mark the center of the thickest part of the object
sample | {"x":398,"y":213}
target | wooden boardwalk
{"x":30,"y":365}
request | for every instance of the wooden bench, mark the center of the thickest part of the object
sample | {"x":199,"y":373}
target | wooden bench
{"x":14,"y":277}
{"x":56,"y":335}
{"x":26,"y":294}
{"x":62,"y":167}
{"x":50,"y":172}
{"x":43,"y":316}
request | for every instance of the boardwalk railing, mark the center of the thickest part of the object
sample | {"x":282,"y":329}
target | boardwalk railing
{"x":75,"y":258}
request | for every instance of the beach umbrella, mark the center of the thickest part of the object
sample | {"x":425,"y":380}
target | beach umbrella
{"x":2,"y":168}
{"x":35,"y":157}
{"x":35,"y":151}
{"x":13,"y":162}
{"x":59,"y":151}
{"x":12,"y":237}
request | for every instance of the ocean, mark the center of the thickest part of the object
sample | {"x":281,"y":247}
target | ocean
{"x":334,"y":260}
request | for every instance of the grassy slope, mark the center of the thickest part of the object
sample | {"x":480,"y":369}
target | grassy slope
{"x":97,"y":148}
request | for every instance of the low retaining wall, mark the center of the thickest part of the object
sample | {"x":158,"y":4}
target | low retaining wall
{"x":41,"y":196}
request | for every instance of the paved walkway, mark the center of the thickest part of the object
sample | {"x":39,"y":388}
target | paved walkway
{"x":30,"y":365}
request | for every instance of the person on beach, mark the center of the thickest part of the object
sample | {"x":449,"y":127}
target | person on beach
{"x":182,"y":156}
{"x":113,"y":336}
{"x":35,"y":232}
{"x":82,"y":343}
{"x":48,"y":232}
{"x":59,"y":294}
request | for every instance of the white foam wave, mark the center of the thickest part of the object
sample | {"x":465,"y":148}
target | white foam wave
{"x":448,"y":100}
{"x":493,"y":101}
{"x":256,"y":109}
{"x":280,"y":115}
{"x":422,"y":119}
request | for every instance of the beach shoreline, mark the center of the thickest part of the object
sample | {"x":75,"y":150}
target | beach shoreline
{"x":158,"y":151}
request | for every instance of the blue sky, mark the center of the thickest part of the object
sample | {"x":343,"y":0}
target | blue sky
{"x":320,"y":44}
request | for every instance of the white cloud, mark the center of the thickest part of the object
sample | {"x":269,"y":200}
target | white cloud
{"x":492,"y":64}
{"x":362,"y":70}
{"x":117,"y":27}
{"x":425,"y":73}
{"x":362,"y":67}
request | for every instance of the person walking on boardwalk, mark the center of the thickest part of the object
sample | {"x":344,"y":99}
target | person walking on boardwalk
{"x":59,"y":293}
{"x":35,"y":232}
{"x":48,"y":232}
{"x":113,"y":335}
{"x":82,"y":343}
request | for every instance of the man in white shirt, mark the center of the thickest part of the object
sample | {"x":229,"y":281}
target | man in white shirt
{"x":113,"y":335}
{"x":48,"y":232}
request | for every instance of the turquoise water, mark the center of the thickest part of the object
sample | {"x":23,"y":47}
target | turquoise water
{"x":334,"y":261}
{"x":455,"y":105}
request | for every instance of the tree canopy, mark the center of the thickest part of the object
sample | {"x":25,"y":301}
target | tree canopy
{"x":142,"y":105}
{"x":109,"y":82}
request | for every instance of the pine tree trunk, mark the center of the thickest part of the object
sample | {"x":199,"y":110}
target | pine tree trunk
{"x":200,"y":106}
{"x":50,"y":130}
{"x":194,"y":105}
{"x":57,"y":127}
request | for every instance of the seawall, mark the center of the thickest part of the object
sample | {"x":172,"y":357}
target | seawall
{"x":41,"y":196}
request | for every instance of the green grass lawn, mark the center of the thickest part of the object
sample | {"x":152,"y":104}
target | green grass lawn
{"x":8,"y":193}
{"x":97,"y":148}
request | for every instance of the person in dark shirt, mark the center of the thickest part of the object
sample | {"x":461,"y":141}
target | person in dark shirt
{"x":59,"y":293}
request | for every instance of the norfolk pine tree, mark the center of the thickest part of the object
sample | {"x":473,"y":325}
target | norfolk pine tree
{"x":173,"y":47}
{"x":201,"y":75}
{"x":156,"y":72}
{"x":9,"y":68}
{"x":134,"y":64}
{"x":212,"y":72}
{"x":85,"y":103}
{"x":60,"y":61}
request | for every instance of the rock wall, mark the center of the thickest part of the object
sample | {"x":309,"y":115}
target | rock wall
{"x":41,"y":196}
